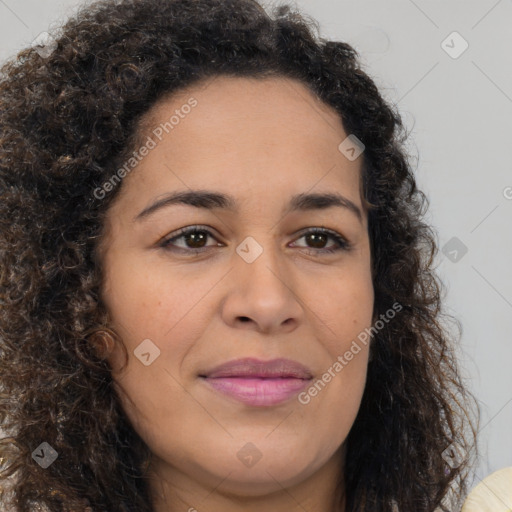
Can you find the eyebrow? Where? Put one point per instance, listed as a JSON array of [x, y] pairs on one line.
[[209, 200]]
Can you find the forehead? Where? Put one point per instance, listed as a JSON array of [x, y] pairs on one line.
[[260, 136], [231, 94], [235, 112]]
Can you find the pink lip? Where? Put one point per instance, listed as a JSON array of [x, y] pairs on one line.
[[259, 383]]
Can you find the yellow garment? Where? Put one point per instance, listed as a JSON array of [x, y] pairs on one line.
[[492, 494]]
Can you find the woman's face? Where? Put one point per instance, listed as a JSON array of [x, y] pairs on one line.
[[260, 285]]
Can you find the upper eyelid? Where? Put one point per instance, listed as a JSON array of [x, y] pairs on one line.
[[183, 231]]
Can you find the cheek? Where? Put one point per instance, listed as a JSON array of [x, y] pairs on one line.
[[344, 316], [142, 301], [343, 307]]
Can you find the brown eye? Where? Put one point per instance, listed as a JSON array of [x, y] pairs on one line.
[[318, 240], [194, 238], [318, 237]]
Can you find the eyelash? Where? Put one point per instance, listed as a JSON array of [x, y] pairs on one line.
[[343, 244]]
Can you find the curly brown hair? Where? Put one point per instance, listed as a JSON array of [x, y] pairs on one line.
[[67, 120]]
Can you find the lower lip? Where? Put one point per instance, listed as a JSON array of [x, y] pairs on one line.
[[258, 391]]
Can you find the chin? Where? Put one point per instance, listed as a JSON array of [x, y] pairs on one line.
[[252, 482]]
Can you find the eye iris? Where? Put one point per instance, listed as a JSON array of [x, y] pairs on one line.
[[317, 238], [196, 236]]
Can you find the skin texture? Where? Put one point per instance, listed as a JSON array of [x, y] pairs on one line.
[[261, 141]]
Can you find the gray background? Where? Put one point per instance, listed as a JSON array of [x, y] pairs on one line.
[[459, 113]]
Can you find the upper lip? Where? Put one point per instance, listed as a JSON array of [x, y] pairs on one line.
[[250, 367]]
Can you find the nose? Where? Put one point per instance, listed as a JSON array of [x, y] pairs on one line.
[[263, 295]]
